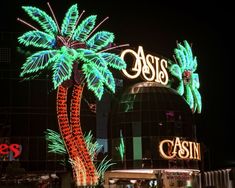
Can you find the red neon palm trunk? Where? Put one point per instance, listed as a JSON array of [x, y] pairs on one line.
[[78, 134], [65, 128]]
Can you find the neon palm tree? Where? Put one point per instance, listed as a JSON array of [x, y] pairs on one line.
[[121, 147], [184, 70], [72, 53], [56, 145]]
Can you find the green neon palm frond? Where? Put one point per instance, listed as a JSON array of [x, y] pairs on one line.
[[180, 88], [195, 81], [71, 53], [62, 69], [175, 70], [38, 61], [114, 61], [181, 59], [189, 96], [189, 81], [55, 143], [69, 21], [100, 40], [189, 51], [103, 166], [195, 107], [108, 79], [94, 79], [31, 76], [194, 64], [197, 100], [93, 146], [83, 30], [185, 54], [45, 21], [90, 56], [37, 39], [121, 147]]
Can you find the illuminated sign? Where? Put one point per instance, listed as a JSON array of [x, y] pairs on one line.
[[150, 68], [182, 149], [6, 149]]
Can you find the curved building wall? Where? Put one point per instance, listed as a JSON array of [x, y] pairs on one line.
[[146, 114]]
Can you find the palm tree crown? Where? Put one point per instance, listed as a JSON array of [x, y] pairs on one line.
[[184, 70], [73, 43]]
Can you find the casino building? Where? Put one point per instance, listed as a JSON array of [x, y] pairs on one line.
[[159, 136], [152, 137]]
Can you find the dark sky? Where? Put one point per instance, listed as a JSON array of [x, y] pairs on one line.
[[157, 27]]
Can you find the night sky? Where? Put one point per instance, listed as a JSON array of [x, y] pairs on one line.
[[157, 27]]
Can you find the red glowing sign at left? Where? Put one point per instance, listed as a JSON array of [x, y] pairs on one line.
[[6, 149]]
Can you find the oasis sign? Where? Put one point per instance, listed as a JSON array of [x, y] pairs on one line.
[[150, 68], [179, 149]]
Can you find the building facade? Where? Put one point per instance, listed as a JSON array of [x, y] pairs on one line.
[[147, 115]]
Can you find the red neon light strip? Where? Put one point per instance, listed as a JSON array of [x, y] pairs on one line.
[[65, 129], [92, 177]]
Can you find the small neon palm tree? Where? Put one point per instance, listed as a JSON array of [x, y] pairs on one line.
[[72, 53], [121, 147], [184, 70]]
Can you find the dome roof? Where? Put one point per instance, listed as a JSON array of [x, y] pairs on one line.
[[151, 102], [145, 114], [157, 95]]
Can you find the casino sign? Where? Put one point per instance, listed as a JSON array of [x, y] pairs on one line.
[[151, 68]]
